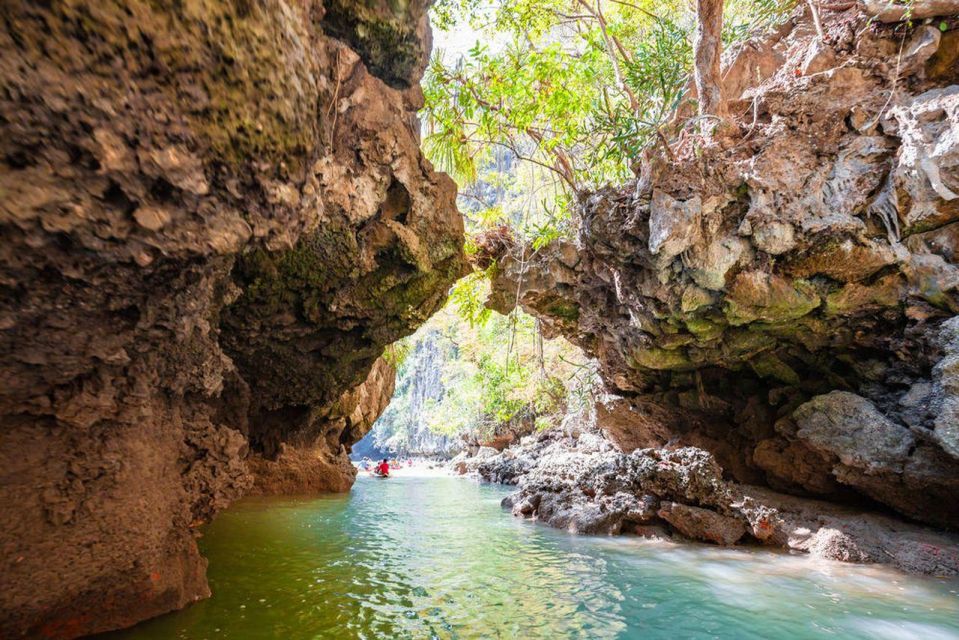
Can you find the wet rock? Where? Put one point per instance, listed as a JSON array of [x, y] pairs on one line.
[[464, 463], [702, 524], [593, 489]]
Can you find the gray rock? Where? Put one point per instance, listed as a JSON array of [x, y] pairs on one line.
[[946, 389], [702, 524], [774, 237], [650, 492], [673, 224], [850, 428]]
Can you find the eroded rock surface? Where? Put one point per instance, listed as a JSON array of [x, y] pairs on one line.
[[586, 485], [782, 297], [318, 463], [214, 216]]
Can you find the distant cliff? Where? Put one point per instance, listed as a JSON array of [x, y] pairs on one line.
[[403, 428]]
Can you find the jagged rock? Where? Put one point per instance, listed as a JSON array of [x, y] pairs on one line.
[[731, 283], [820, 58], [926, 174], [321, 463], [943, 393], [214, 217], [591, 488], [674, 226], [864, 449], [916, 10], [849, 427], [702, 524], [922, 45], [464, 463]]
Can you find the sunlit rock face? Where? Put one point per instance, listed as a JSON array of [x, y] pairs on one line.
[[403, 429], [214, 216], [783, 298], [582, 483]]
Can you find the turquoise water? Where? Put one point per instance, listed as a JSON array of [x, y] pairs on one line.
[[436, 557]]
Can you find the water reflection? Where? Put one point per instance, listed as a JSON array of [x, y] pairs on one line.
[[437, 558]]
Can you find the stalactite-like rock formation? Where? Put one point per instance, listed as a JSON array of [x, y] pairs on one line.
[[214, 215], [786, 299]]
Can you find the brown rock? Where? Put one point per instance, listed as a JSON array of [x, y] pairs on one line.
[[581, 485], [200, 258], [702, 524], [824, 243]]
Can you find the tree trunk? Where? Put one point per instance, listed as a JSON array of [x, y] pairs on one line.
[[707, 51]]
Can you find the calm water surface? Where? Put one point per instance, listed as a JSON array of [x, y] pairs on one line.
[[428, 557]]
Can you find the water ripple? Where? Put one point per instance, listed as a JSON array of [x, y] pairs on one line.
[[437, 558]]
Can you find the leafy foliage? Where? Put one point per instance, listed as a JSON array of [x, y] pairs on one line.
[[575, 88], [504, 376], [555, 98], [497, 376], [396, 353]]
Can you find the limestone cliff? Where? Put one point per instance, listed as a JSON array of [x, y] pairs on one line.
[[403, 429], [214, 215], [782, 296]]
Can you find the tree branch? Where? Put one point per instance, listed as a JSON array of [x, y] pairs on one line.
[[707, 52]]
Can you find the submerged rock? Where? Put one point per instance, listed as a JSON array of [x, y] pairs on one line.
[[214, 218]]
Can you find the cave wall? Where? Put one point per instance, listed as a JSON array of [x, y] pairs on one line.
[[214, 216], [784, 296], [319, 463]]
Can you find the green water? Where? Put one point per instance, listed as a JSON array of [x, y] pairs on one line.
[[422, 557]]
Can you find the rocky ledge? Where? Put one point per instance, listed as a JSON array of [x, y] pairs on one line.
[[784, 295], [214, 216], [582, 483]]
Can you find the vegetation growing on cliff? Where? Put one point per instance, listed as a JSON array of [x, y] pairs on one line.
[[481, 376], [555, 97], [575, 90]]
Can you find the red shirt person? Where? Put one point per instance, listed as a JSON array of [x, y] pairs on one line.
[[383, 468]]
